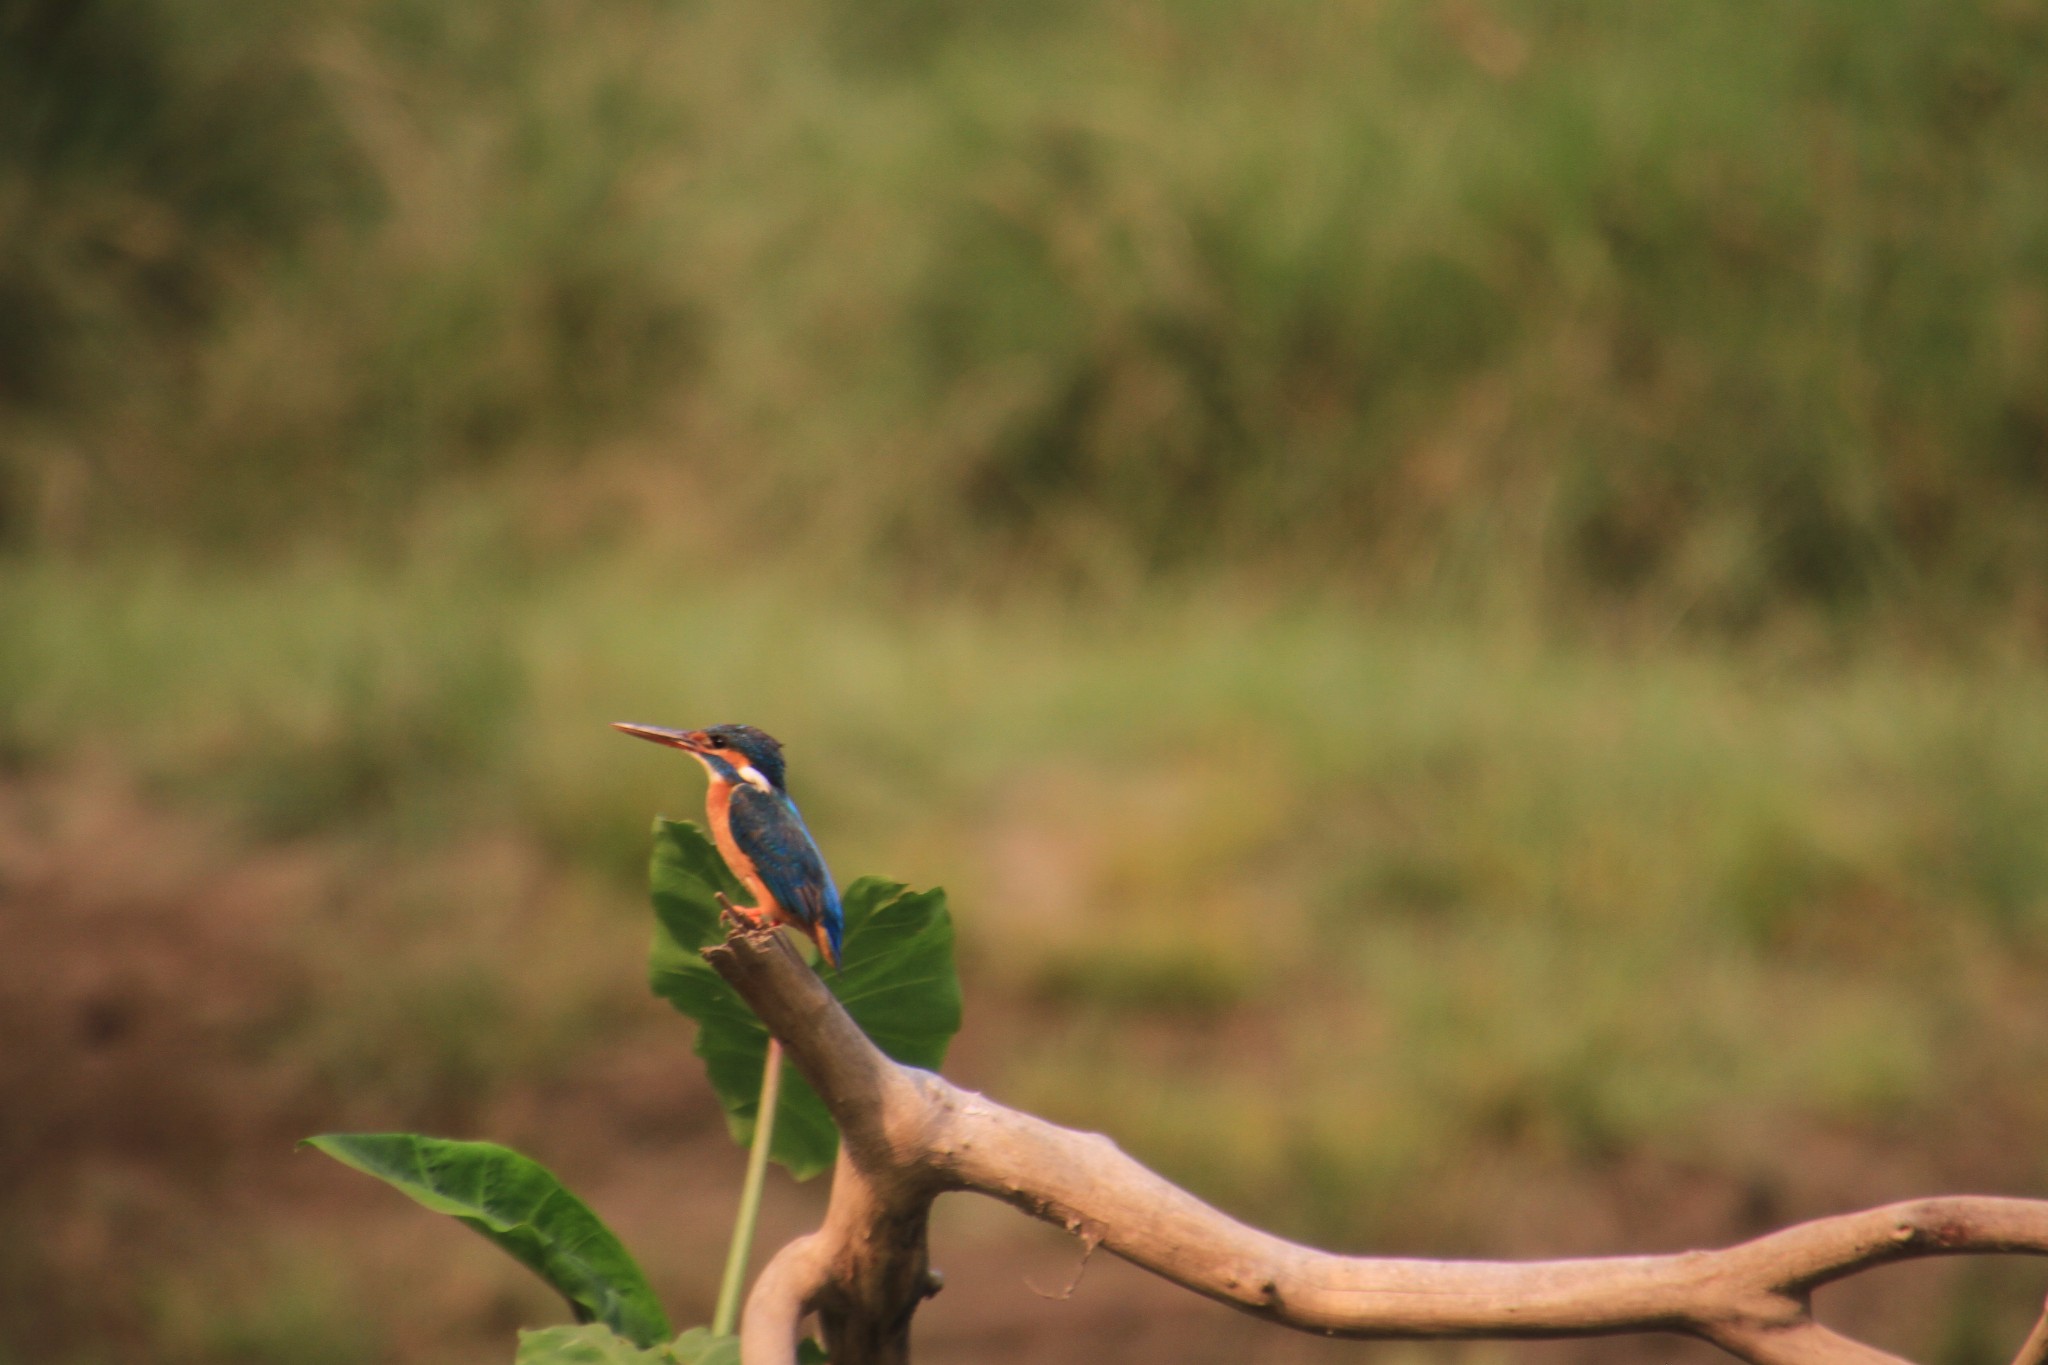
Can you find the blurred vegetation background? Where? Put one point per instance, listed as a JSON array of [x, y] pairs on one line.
[[1457, 588]]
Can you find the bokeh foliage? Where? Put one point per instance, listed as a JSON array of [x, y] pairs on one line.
[[1722, 309]]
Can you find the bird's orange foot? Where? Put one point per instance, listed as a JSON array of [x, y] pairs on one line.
[[741, 916]]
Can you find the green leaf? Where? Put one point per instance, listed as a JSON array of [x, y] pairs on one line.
[[699, 1347], [517, 1203], [897, 981], [592, 1344], [596, 1344]]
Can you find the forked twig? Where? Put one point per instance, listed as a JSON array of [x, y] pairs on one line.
[[909, 1136]]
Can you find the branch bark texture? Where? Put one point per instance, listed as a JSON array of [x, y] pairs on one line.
[[909, 1136]]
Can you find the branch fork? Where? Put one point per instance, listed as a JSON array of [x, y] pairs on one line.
[[908, 1136]]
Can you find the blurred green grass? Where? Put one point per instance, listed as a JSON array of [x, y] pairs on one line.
[[1718, 313]]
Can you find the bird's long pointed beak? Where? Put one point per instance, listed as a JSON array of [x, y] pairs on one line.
[[676, 739]]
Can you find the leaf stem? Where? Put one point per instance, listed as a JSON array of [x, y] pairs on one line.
[[728, 1312]]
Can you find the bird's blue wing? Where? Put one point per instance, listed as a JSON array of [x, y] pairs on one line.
[[768, 829]]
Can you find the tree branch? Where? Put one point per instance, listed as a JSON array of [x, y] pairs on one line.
[[909, 1136]]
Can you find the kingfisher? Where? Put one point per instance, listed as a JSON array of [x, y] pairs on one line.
[[759, 831]]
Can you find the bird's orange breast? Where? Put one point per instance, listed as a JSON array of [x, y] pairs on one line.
[[718, 812]]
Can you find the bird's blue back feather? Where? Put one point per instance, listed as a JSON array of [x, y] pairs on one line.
[[769, 829]]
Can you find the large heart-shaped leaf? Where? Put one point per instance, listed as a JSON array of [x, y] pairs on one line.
[[896, 980], [517, 1203]]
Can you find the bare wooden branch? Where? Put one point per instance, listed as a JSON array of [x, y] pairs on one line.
[[910, 1136]]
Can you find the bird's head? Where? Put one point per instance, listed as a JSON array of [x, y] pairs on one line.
[[736, 753]]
